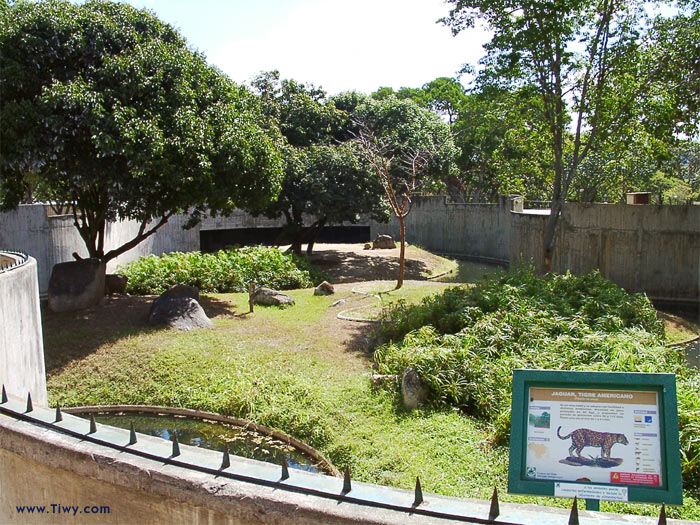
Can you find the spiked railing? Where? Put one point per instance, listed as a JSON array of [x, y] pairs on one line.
[[23, 259], [299, 483]]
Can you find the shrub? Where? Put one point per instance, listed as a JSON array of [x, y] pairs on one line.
[[224, 271], [466, 342]]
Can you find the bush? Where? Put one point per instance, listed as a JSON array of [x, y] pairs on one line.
[[466, 342], [224, 271]]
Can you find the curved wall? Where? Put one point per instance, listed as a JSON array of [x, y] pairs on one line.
[[21, 343]]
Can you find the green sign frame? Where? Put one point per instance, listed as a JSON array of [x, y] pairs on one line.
[[670, 490]]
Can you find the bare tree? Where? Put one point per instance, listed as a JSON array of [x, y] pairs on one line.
[[401, 173]]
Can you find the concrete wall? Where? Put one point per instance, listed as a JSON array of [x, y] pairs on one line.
[[654, 249], [41, 467], [473, 230], [52, 239], [21, 342]]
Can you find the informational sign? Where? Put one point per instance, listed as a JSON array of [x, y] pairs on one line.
[[604, 436]]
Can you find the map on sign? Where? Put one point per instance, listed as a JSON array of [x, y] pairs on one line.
[[594, 436]]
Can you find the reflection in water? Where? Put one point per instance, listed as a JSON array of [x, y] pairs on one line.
[[469, 272], [213, 435]]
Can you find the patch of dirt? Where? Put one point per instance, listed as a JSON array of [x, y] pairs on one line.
[[351, 263]]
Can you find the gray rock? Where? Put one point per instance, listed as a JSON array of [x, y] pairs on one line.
[[383, 242], [325, 288], [76, 284], [269, 297], [183, 290], [413, 390], [115, 283], [339, 302], [178, 311]]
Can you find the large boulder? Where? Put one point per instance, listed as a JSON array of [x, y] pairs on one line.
[[76, 284], [184, 290], [269, 297], [325, 288], [383, 242], [178, 311], [115, 283], [413, 390]]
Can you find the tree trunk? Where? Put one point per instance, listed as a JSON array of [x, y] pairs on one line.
[[402, 253], [314, 233]]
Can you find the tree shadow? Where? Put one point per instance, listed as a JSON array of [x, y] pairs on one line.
[[347, 267], [70, 336]]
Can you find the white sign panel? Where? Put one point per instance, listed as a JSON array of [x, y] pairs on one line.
[[594, 436], [599, 492]]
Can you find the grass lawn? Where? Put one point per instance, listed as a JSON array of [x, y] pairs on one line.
[[300, 370]]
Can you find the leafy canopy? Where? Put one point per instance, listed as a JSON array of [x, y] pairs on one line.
[[106, 108], [325, 176]]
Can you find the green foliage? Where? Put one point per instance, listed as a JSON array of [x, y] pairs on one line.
[[323, 177], [223, 271], [466, 342], [111, 110]]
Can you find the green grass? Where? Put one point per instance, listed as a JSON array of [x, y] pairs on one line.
[[297, 369], [410, 293]]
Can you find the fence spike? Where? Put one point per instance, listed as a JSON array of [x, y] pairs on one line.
[[93, 425], [226, 462], [29, 402], [285, 468], [346, 481], [176, 445], [573, 517], [495, 510], [132, 434], [662, 515], [3, 398], [59, 416], [419, 493]]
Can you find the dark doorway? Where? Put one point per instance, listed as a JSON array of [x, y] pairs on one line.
[[213, 240]]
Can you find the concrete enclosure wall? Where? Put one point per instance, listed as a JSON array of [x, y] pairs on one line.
[[52, 239], [21, 342], [652, 249], [473, 230], [655, 249]]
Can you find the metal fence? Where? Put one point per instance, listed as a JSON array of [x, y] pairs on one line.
[[14, 262]]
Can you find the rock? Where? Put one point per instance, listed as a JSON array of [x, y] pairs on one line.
[[268, 297], [115, 283], [383, 242], [368, 246], [183, 290], [339, 302], [413, 390], [76, 284], [325, 288], [178, 311]]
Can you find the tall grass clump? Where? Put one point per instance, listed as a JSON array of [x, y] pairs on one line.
[[466, 342], [224, 271]]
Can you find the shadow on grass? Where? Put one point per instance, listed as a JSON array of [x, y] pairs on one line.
[[70, 336]]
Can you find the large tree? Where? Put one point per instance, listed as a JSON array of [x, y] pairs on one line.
[[108, 110], [326, 177], [410, 149], [593, 63]]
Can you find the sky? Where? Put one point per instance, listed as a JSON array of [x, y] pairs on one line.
[[339, 45]]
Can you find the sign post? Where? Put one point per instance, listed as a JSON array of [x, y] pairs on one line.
[[595, 435]]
